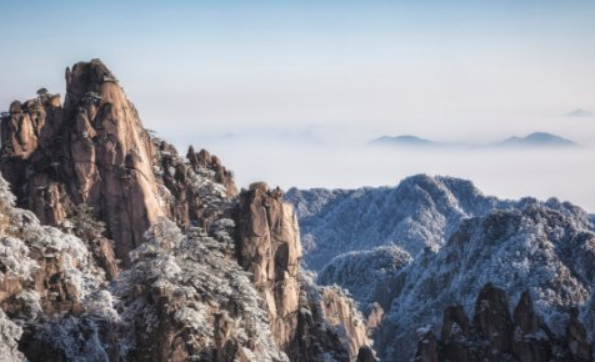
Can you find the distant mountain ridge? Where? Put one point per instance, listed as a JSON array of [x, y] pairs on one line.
[[532, 140], [407, 141], [580, 113], [537, 139], [431, 242], [422, 211]]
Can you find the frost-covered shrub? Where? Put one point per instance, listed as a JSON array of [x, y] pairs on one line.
[[420, 212], [360, 272], [10, 333], [191, 272], [15, 260], [24, 244], [537, 249]]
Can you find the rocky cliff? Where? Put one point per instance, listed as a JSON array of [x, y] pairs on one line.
[[131, 252], [93, 150], [268, 247]]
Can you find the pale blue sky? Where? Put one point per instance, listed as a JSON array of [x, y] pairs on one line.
[[337, 71], [473, 65]]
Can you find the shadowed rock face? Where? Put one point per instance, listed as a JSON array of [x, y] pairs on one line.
[[366, 355], [494, 336]]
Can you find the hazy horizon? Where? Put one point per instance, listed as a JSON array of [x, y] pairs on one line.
[[290, 92]]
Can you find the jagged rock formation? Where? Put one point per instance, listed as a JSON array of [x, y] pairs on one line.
[[537, 248], [539, 243], [268, 247], [494, 335], [194, 287], [190, 187], [341, 313], [94, 150]]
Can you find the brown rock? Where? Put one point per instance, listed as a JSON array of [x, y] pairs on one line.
[[205, 160], [375, 318], [340, 313], [93, 151], [524, 315], [269, 248]]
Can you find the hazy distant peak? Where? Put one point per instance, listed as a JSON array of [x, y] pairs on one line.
[[535, 139], [408, 141], [579, 113], [538, 139]]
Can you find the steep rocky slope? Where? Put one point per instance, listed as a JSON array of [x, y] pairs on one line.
[[537, 248], [147, 255]]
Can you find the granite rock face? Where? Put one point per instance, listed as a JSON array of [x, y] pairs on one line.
[[93, 150], [268, 246]]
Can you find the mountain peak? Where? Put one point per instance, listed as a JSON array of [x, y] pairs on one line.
[[538, 139], [580, 113], [404, 141]]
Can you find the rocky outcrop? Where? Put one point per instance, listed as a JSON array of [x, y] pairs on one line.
[[341, 313], [194, 287], [95, 151], [494, 336], [194, 192], [268, 246], [329, 326], [577, 339], [204, 160]]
